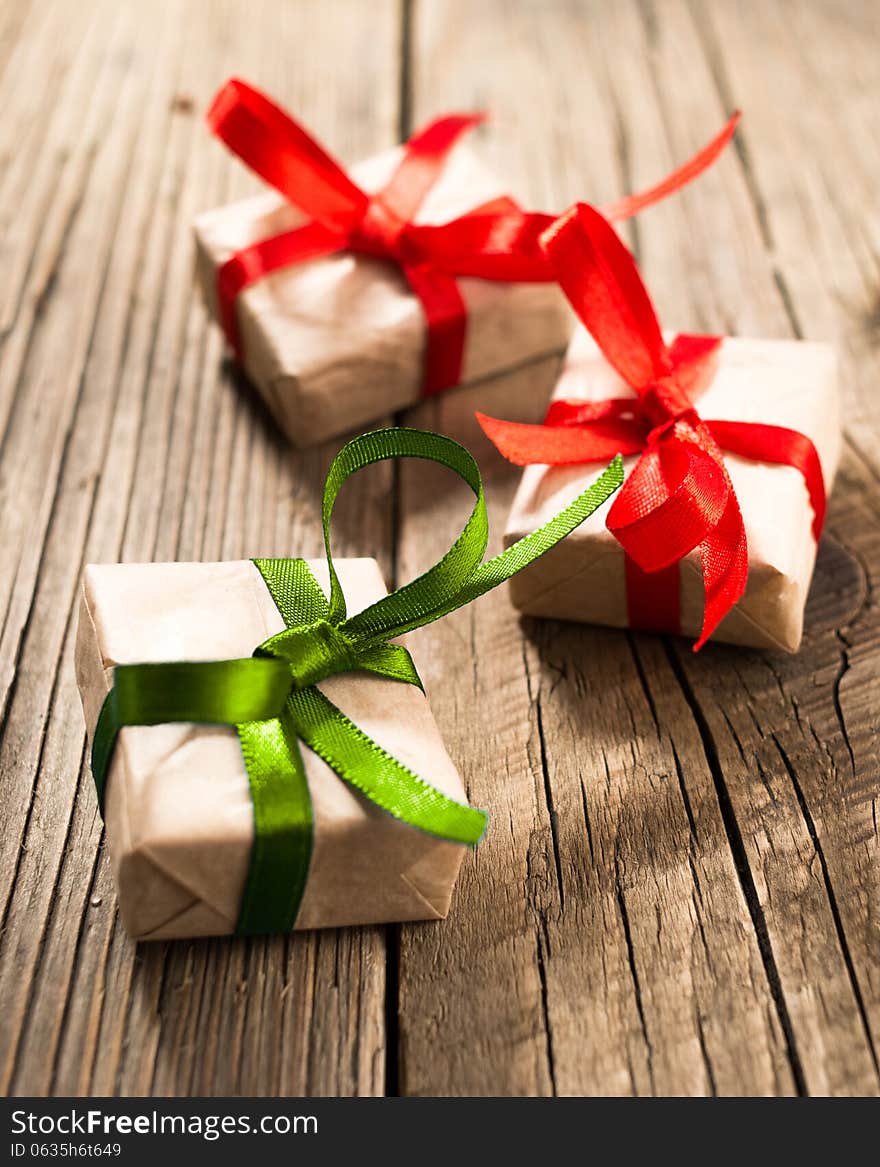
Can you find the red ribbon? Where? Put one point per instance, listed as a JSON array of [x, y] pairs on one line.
[[679, 495], [496, 241]]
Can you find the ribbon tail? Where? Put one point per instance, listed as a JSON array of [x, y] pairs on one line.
[[377, 775], [626, 207], [424, 157], [782, 446], [284, 155], [725, 560], [602, 282], [459, 576], [560, 445], [530, 547], [391, 661], [679, 497]]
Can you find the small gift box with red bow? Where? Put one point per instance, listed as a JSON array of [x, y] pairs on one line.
[[348, 298], [730, 448]]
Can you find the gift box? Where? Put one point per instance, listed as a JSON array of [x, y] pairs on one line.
[[178, 812], [713, 429], [337, 342], [779, 382], [349, 298], [262, 749]]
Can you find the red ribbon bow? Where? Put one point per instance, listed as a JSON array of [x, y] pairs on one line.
[[679, 495], [496, 241]]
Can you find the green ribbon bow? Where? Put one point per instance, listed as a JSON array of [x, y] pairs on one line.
[[272, 699]]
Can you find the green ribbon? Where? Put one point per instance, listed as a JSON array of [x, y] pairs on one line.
[[272, 698]]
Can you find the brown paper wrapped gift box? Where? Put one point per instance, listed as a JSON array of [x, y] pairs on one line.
[[178, 812], [778, 382], [337, 343]]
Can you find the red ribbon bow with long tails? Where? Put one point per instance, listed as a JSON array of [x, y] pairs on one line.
[[679, 495], [495, 241]]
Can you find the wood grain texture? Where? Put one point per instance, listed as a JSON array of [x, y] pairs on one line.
[[680, 889], [689, 888], [129, 439]]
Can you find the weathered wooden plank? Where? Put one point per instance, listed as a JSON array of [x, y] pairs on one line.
[[804, 1005], [812, 176], [601, 940], [30, 455], [165, 455], [736, 697], [41, 122], [253, 1032], [824, 1026], [38, 814]]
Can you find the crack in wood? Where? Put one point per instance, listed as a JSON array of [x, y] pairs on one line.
[[540, 941], [747, 883], [685, 797], [587, 824], [551, 809], [839, 676], [704, 1052], [643, 680], [832, 900], [620, 897]]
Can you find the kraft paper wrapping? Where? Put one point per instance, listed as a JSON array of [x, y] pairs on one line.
[[778, 382], [337, 343], [178, 813]]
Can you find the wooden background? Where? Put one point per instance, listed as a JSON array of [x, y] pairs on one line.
[[679, 891]]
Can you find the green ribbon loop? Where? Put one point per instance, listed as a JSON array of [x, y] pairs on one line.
[[272, 700]]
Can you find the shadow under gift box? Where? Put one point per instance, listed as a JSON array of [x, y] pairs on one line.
[[787, 383], [178, 811], [334, 344]]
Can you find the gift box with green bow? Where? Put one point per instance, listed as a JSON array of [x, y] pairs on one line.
[[262, 750]]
